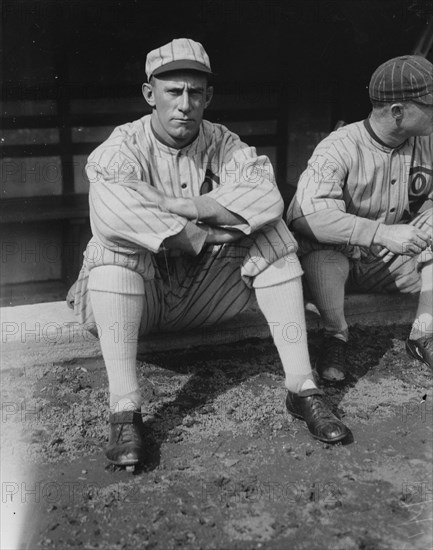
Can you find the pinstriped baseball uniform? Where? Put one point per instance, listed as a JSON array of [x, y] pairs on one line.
[[128, 230], [353, 183]]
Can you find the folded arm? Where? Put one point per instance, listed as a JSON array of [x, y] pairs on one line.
[[129, 214], [318, 209]]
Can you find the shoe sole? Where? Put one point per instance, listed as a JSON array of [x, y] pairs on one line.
[[335, 440], [413, 352], [124, 464]]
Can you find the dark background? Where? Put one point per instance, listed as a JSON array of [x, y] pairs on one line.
[[285, 74], [322, 49]]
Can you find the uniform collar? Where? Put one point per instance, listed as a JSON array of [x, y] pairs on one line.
[[192, 148], [377, 142]]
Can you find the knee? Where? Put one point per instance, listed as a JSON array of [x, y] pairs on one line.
[[113, 278], [283, 270]]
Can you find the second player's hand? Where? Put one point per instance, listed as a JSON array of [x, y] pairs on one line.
[[402, 239], [218, 235]]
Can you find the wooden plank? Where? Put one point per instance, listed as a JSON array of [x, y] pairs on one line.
[[104, 119], [32, 293], [12, 91], [32, 209], [57, 336], [85, 148]]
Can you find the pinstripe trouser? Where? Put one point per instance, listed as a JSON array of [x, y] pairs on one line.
[[377, 269], [183, 292]]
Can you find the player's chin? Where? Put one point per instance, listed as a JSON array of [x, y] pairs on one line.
[[185, 132]]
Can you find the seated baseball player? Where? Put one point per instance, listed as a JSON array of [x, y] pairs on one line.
[[361, 213], [186, 224]]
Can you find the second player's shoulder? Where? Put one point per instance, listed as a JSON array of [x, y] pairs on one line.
[[341, 145], [352, 133]]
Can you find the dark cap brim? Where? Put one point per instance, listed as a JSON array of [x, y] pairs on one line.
[[182, 64], [425, 99]]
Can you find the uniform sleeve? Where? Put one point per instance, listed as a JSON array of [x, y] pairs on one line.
[[121, 218], [247, 185], [318, 209]]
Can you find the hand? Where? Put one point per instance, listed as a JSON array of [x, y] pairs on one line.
[[218, 235], [402, 239]]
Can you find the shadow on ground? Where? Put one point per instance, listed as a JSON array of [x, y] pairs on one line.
[[227, 467]]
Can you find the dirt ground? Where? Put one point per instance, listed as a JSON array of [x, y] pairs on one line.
[[227, 468]]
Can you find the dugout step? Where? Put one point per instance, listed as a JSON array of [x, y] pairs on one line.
[[47, 333]]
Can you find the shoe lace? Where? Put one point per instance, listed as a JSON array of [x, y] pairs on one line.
[[427, 344], [335, 351], [128, 434], [320, 410]]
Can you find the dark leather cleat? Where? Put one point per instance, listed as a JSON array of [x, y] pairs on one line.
[[126, 446], [421, 349], [311, 406], [331, 365]]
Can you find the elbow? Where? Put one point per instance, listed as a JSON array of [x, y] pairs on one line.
[[306, 228], [280, 207], [277, 209]]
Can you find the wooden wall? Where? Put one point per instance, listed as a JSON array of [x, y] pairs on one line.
[[286, 72]]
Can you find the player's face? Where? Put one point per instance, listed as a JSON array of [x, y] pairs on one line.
[[419, 119], [178, 100]]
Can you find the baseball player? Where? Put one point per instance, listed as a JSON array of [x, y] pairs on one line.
[[361, 213], [186, 223]]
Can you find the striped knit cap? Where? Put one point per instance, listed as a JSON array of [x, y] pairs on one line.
[[179, 54], [405, 78]]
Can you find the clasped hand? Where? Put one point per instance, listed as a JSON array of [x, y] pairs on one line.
[[402, 239], [186, 207]]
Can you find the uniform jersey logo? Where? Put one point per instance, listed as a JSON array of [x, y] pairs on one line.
[[209, 180], [420, 183]]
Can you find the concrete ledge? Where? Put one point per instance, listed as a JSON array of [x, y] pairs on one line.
[[48, 333]]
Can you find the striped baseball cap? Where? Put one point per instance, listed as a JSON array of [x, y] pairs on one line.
[[404, 78], [180, 53]]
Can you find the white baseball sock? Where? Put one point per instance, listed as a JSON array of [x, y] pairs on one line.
[[423, 324], [117, 298], [326, 272], [280, 299]]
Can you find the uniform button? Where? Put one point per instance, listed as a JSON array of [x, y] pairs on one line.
[[393, 181], [392, 210], [184, 186]]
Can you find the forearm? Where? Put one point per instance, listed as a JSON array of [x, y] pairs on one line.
[[337, 227], [121, 218], [204, 209]]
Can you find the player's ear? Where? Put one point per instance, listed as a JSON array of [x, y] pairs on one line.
[[148, 94], [209, 96], [397, 110]]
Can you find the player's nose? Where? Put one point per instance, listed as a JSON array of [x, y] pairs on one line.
[[185, 102]]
